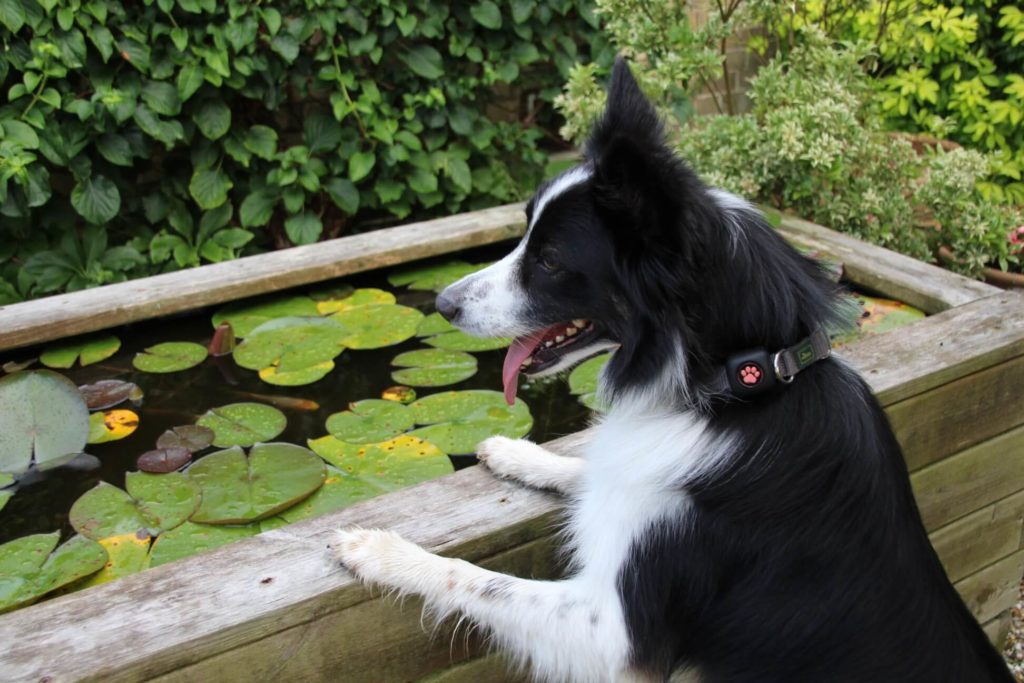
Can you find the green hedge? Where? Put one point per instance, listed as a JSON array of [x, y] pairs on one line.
[[149, 136]]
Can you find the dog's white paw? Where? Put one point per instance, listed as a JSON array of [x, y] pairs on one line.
[[376, 555], [509, 458]]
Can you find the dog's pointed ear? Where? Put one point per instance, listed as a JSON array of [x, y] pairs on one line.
[[628, 114]]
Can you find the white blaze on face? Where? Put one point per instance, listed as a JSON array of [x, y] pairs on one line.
[[491, 301]]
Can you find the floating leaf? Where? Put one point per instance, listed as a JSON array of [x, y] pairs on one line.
[[42, 416], [359, 297], [164, 460], [112, 425], [190, 539], [878, 317], [433, 367], [4, 497], [87, 350], [335, 292], [435, 277], [107, 393], [6, 479], [30, 567], [399, 393], [152, 504], [190, 437], [17, 366], [243, 424], [370, 421], [433, 324], [274, 375], [385, 466], [378, 325], [293, 344], [245, 317], [126, 554], [583, 380], [339, 491], [170, 357], [238, 488], [458, 420], [460, 341]]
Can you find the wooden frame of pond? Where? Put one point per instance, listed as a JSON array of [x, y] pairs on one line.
[[274, 607]]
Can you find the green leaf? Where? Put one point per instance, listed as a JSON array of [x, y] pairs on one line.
[[189, 79], [370, 421], [127, 554], [86, 350], [170, 357], [213, 118], [152, 504], [583, 380], [458, 171], [344, 194], [291, 343], [878, 317], [96, 199], [304, 228], [30, 567], [486, 14], [433, 367], [433, 277], [209, 187], [115, 149], [162, 98], [135, 53], [424, 61], [238, 489], [286, 46], [339, 491], [243, 424], [456, 421], [257, 209], [12, 15], [244, 317], [20, 133], [190, 539], [422, 181], [385, 466], [460, 341], [359, 165], [322, 133], [378, 325], [261, 141], [43, 418]]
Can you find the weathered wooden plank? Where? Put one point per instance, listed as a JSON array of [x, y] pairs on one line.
[[928, 287], [957, 415], [941, 348], [64, 315], [994, 588], [997, 629], [982, 537], [492, 668], [167, 619], [970, 480]]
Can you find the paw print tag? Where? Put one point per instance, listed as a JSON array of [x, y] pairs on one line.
[[750, 374]]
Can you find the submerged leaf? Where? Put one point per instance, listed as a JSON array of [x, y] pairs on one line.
[[162, 460], [170, 357], [433, 367], [30, 567], [190, 437], [87, 350], [245, 317], [243, 424], [107, 393], [42, 418]]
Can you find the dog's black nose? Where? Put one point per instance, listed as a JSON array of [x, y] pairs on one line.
[[447, 307]]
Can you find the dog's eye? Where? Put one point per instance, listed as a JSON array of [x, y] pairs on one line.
[[548, 260]]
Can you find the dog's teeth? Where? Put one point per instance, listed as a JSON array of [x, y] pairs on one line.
[[559, 339], [570, 331], [548, 343], [527, 363], [579, 323]]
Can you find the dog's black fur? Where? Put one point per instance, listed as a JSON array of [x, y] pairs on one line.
[[804, 557]]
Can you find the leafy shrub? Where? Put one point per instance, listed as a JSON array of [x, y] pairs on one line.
[[188, 131]]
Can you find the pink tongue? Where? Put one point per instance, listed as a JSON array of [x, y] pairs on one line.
[[520, 350]]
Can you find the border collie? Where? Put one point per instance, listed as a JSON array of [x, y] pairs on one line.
[[743, 512]]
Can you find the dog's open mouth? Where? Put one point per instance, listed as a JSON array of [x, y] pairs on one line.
[[541, 350]]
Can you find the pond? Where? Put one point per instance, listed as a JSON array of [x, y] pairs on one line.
[[40, 502]]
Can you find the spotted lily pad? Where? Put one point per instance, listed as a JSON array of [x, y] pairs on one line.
[[378, 325], [191, 539], [190, 437], [170, 357], [152, 503], [583, 380], [237, 488], [126, 554], [433, 367], [339, 491], [245, 317], [384, 466], [108, 393], [112, 425], [30, 567], [456, 421], [359, 297], [300, 350], [460, 341], [370, 421], [243, 424], [43, 419], [433, 324], [86, 351], [434, 277], [878, 317]]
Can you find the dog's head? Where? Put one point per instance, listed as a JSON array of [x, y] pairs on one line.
[[626, 250]]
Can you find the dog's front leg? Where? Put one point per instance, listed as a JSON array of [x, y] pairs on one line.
[[564, 630], [530, 464]]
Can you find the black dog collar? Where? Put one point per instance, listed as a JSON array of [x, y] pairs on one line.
[[753, 372]]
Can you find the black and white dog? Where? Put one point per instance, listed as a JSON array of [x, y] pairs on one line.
[[743, 511]]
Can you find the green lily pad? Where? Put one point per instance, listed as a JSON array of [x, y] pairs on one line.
[[583, 380], [359, 297], [6, 479], [245, 317], [435, 277], [293, 344], [191, 539], [335, 292], [370, 421], [152, 504], [243, 424], [339, 491], [456, 421], [385, 466], [460, 341], [170, 357], [127, 554], [378, 325], [433, 324], [878, 317], [43, 418], [4, 497], [238, 488], [30, 567], [293, 378], [433, 367], [86, 350]]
